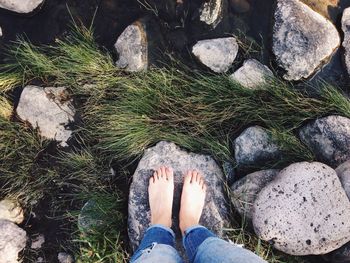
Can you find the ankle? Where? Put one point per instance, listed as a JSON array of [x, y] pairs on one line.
[[161, 221]]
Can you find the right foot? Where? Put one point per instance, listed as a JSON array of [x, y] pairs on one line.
[[161, 193], [192, 200]]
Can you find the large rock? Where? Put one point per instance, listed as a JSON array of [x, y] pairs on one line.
[[304, 210], [211, 12], [10, 210], [12, 241], [328, 138], [302, 39], [245, 191], [132, 48], [254, 147], [49, 110], [217, 54], [346, 43], [20, 6], [343, 172], [164, 153], [252, 74]]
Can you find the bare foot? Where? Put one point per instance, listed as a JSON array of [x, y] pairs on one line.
[[192, 200], [161, 193]]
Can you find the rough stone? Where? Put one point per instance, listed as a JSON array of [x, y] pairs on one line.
[[302, 39], [49, 109], [252, 74], [12, 241], [21, 6], [65, 258], [343, 172], [303, 211], [254, 146], [164, 153], [0, 32], [328, 138], [10, 210], [217, 54], [245, 191], [346, 43], [132, 48], [212, 12]]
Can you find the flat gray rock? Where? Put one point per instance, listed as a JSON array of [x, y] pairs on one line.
[[217, 54], [303, 40], [254, 146], [12, 241], [303, 211], [346, 43], [49, 110], [165, 153], [252, 74], [328, 138], [132, 48], [211, 12], [10, 210], [245, 190], [343, 172], [20, 6]]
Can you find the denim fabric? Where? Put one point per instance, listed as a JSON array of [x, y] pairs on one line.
[[216, 250], [194, 237], [157, 245], [201, 246]]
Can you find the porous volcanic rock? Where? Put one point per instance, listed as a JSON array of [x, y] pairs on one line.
[[217, 54], [303, 211], [48, 109], [12, 241], [165, 153], [245, 191], [328, 138], [21, 6], [252, 74], [302, 39]]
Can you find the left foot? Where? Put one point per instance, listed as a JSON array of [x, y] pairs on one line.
[[161, 193]]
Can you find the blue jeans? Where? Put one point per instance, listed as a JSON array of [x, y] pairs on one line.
[[201, 246]]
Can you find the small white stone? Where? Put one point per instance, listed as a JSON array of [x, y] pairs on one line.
[[38, 241], [211, 12], [252, 74], [11, 210], [20, 6], [49, 110], [217, 54], [65, 258]]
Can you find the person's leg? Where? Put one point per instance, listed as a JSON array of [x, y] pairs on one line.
[[158, 242], [201, 245]]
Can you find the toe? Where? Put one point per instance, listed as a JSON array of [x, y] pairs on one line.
[[163, 173], [193, 176], [188, 178], [159, 173], [152, 178], [169, 173], [197, 176]]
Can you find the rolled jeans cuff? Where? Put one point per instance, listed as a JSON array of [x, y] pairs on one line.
[[193, 238]]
